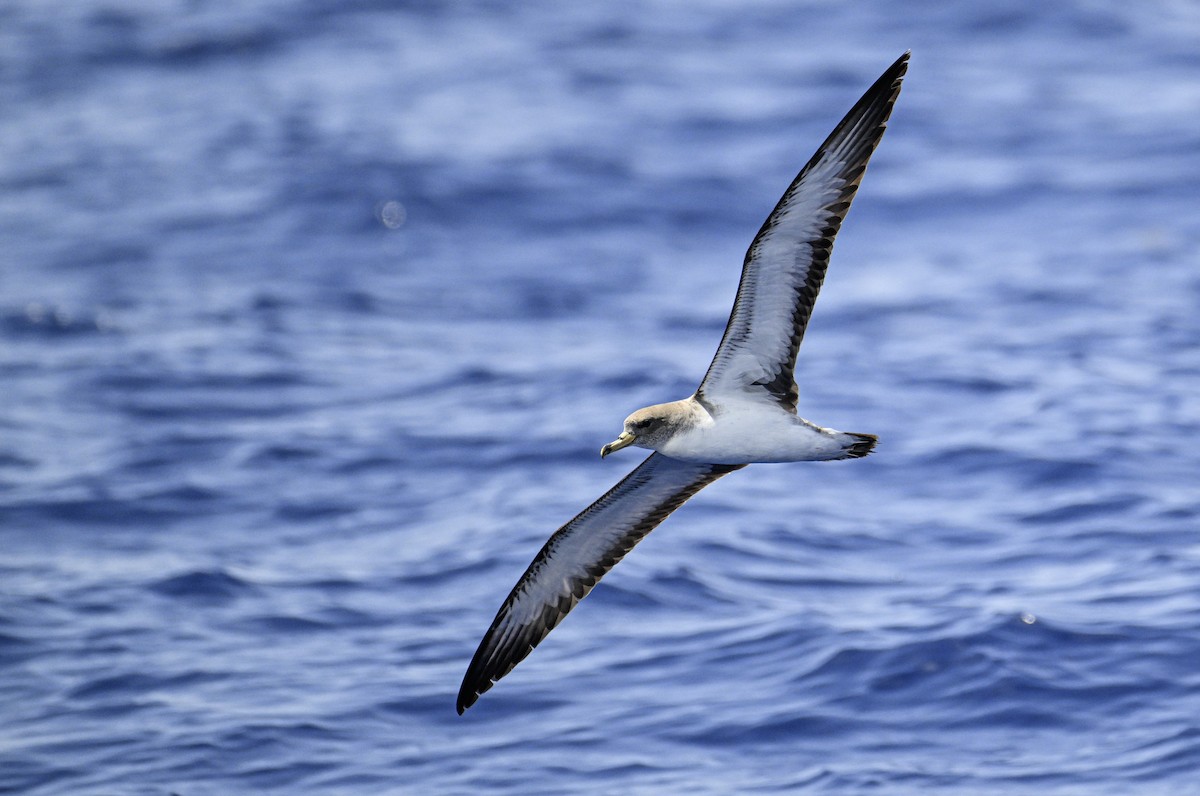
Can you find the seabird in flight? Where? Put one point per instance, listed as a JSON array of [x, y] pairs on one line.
[[744, 410]]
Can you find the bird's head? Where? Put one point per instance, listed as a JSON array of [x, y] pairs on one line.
[[645, 428]]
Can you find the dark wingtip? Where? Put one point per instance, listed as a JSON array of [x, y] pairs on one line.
[[465, 700], [468, 694], [895, 73], [893, 76]]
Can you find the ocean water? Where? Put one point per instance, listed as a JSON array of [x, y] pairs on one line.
[[314, 316]]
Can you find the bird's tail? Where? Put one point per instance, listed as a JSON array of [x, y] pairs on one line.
[[858, 445]]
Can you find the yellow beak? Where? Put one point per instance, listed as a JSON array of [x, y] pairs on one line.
[[624, 441]]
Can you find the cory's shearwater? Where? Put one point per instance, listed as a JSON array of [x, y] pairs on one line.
[[744, 410]]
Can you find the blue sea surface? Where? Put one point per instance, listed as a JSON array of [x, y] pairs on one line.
[[314, 316]]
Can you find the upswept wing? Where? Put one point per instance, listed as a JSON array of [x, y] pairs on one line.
[[576, 557], [786, 263]]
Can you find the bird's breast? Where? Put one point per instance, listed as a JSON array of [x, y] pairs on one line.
[[745, 437]]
